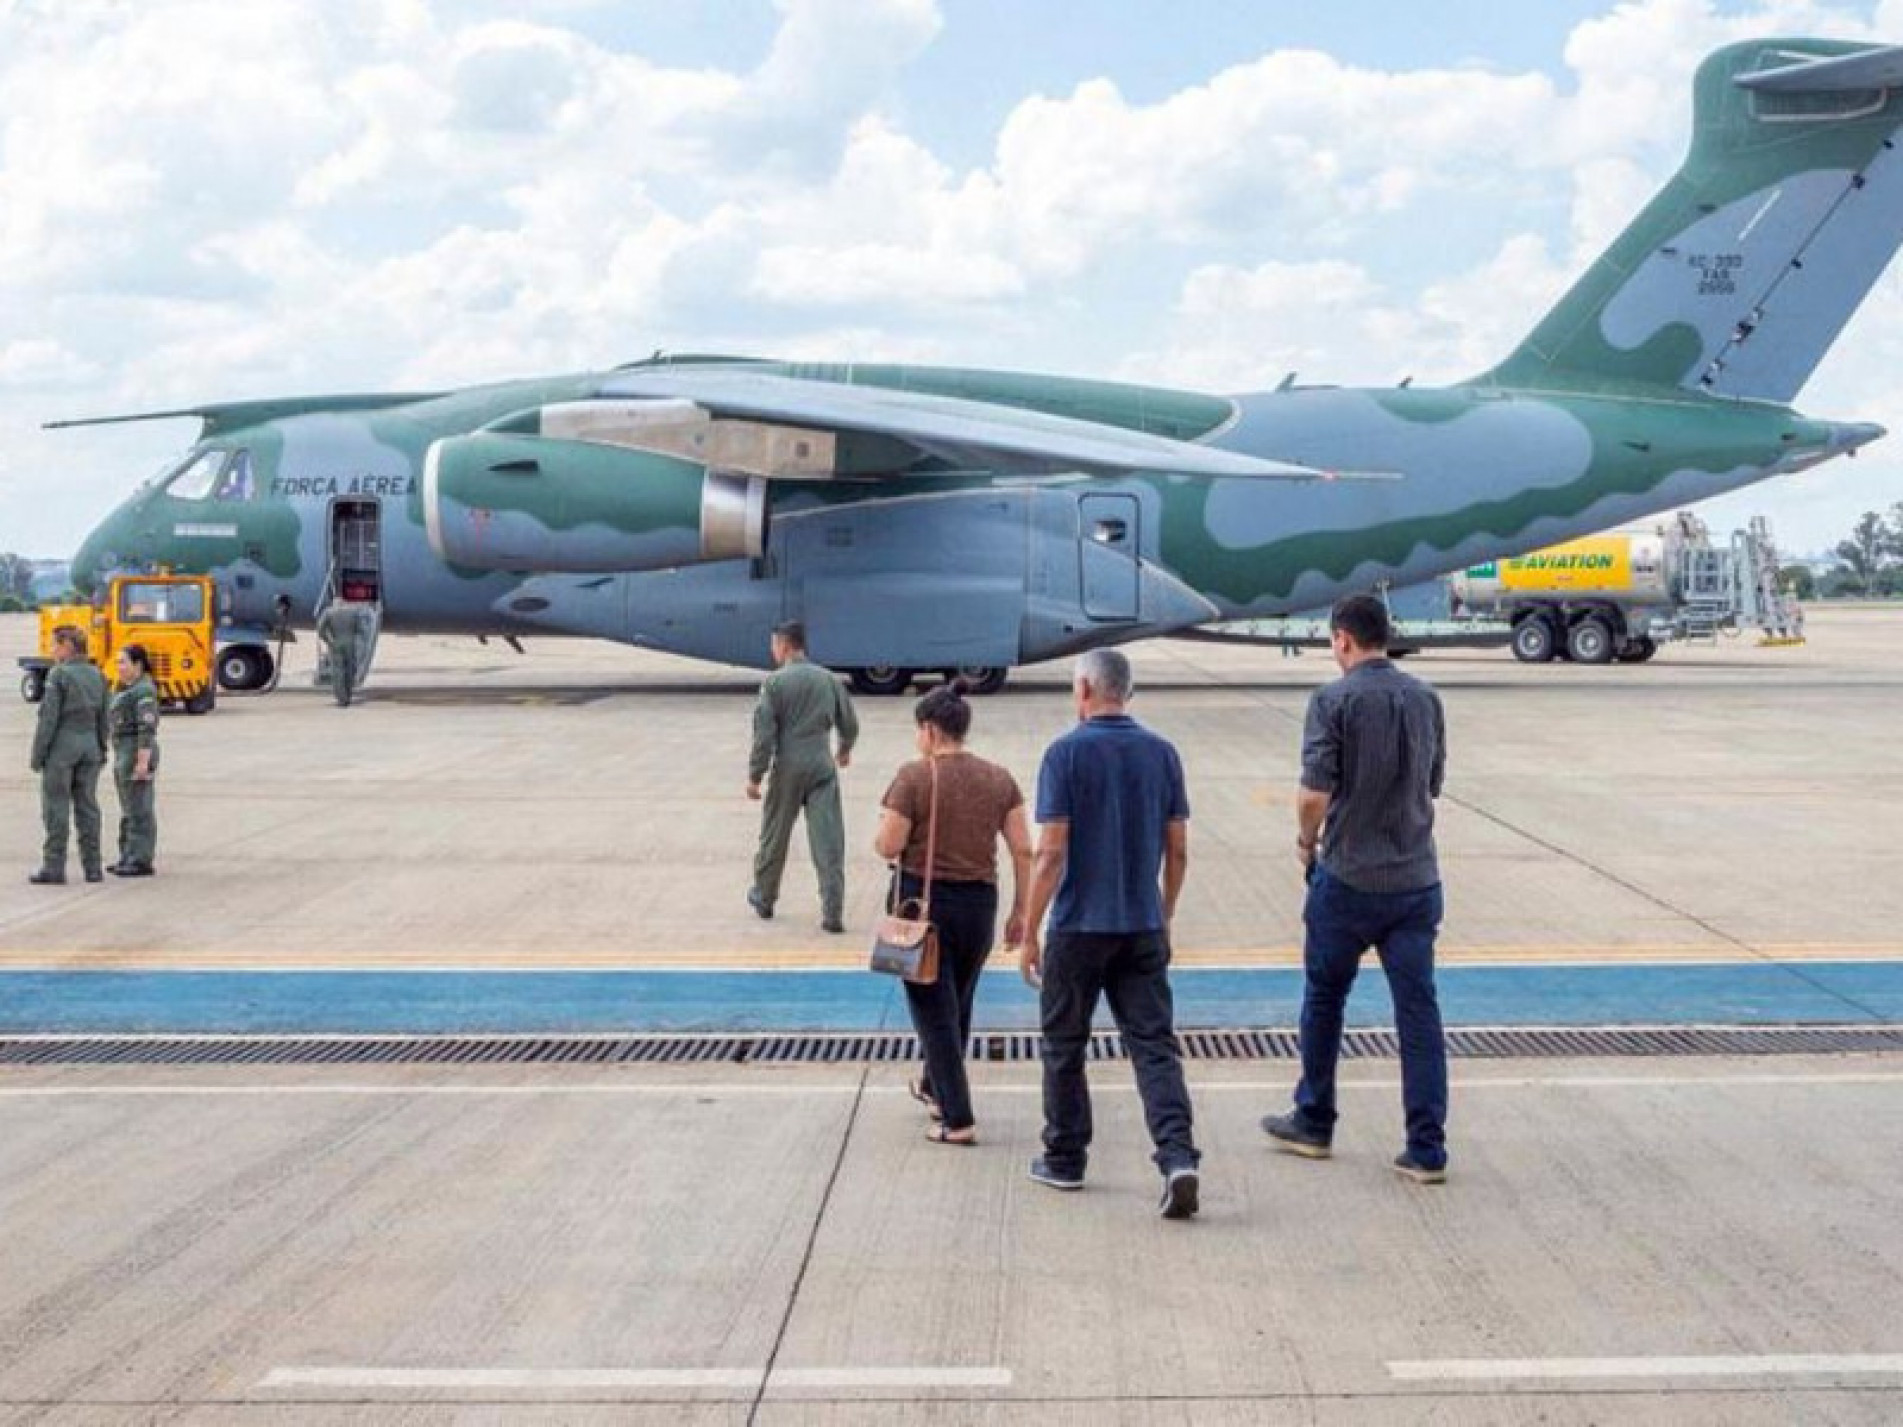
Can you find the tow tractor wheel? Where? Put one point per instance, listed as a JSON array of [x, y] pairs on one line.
[[1590, 641], [33, 686], [1534, 641], [983, 680], [880, 680], [244, 667]]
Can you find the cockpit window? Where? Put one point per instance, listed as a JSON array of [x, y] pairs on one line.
[[215, 475], [195, 478], [236, 482]]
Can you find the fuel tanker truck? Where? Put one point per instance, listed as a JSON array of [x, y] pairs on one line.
[[1621, 594], [1618, 595]]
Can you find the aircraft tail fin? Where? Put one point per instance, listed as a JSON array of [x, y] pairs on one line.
[[1737, 278]]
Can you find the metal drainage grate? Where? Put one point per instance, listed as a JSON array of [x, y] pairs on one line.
[[886, 1046]]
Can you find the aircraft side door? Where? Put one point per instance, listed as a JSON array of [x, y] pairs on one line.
[[1109, 544], [356, 550]]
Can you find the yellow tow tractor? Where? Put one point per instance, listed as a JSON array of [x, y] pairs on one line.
[[171, 615]]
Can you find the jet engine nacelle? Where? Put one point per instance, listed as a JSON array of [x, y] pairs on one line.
[[496, 501]]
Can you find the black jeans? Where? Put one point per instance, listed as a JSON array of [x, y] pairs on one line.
[[966, 915], [1133, 971]]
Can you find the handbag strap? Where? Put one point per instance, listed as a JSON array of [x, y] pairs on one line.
[[931, 850]]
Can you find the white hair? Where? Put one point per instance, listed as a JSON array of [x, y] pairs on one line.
[[1108, 672]]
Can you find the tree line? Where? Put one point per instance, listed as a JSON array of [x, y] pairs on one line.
[[1869, 562]]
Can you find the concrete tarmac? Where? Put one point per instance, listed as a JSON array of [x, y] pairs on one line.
[[581, 806], [1683, 1241], [1707, 1242]]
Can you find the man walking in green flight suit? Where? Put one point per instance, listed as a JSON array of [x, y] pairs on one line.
[[69, 749], [800, 706]]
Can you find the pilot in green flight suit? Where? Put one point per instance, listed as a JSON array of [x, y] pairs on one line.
[[134, 719], [800, 705], [69, 747], [344, 629]]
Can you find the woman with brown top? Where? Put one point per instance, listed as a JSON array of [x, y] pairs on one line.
[[978, 802]]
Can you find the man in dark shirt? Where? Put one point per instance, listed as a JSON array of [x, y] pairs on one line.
[[1374, 751], [1113, 813]]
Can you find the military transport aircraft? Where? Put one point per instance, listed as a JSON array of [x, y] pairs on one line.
[[924, 519]]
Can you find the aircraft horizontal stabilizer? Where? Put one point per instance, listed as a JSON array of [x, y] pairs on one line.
[[1873, 69], [965, 433]]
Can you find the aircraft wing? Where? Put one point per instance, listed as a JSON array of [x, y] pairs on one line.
[[225, 415], [965, 433]]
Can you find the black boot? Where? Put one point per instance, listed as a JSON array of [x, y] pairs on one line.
[[48, 877]]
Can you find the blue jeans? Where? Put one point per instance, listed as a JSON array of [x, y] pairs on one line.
[[1132, 970], [1343, 924]]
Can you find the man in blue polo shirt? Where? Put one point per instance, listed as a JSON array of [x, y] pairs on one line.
[[1113, 819]]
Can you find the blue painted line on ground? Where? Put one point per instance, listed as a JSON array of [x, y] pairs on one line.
[[467, 1002]]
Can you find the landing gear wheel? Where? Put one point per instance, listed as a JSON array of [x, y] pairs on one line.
[[1590, 642], [880, 680], [1637, 651], [243, 667], [1534, 641], [983, 680], [33, 686]]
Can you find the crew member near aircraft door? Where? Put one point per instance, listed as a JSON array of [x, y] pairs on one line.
[[344, 630], [69, 749], [133, 717], [1374, 752], [800, 707]]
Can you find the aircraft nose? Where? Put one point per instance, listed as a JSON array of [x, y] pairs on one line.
[[95, 556]]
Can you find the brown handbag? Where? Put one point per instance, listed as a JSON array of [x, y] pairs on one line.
[[905, 945]]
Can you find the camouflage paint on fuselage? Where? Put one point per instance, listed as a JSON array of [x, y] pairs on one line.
[[1663, 377]]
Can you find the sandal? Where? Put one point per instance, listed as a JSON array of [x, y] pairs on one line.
[[939, 1135], [916, 1088]]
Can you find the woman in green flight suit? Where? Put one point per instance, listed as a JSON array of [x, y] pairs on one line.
[[134, 720]]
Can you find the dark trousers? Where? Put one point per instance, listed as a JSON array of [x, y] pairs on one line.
[[1132, 970], [966, 915], [1343, 924]]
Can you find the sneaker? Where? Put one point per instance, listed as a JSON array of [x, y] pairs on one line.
[[1289, 1135], [762, 908], [1042, 1172], [1409, 1167], [1180, 1194]]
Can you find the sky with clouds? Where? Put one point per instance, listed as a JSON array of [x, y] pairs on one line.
[[220, 199]]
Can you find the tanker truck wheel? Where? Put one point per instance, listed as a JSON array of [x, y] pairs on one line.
[[1590, 641], [1534, 640], [1637, 651]]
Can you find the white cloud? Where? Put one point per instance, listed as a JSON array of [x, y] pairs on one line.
[[205, 200]]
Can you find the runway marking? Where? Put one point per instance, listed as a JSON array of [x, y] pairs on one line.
[[1552, 1369], [556, 1380], [1026, 1088]]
